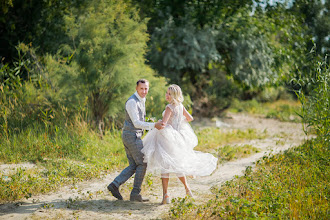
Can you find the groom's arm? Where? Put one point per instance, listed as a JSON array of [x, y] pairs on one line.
[[131, 108]]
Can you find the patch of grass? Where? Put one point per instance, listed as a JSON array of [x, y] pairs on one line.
[[284, 110], [229, 152], [211, 138], [291, 185], [63, 157], [38, 144], [70, 154]]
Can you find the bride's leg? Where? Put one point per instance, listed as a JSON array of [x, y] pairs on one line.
[[165, 180], [183, 179]]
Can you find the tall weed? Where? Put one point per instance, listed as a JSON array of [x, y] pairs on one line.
[[212, 138], [64, 157], [283, 110], [315, 112]]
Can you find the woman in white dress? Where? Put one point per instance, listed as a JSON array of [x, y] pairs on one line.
[[171, 150]]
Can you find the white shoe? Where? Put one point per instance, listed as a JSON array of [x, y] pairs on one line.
[[166, 199], [189, 193]]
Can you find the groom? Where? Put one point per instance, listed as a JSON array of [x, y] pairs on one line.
[[132, 132]]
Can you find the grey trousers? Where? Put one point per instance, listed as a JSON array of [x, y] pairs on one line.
[[133, 146]]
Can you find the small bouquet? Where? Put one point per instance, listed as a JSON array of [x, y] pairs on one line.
[[151, 119]]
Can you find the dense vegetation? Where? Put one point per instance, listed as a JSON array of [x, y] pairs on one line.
[[67, 68], [290, 185], [83, 55]]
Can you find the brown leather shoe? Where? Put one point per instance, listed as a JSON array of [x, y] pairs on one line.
[[114, 191], [138, 198]]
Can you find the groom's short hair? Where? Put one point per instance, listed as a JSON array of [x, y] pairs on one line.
[[142, 81]]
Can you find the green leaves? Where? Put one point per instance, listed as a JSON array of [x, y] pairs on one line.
[[316, 106], [176, 49], [251, 61], [293, 184], [108, 41]]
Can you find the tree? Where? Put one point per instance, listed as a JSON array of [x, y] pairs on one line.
[[256, 46], [244, 43], [315, 14], [202, 13], [108, 41], [39, 23], [178, 51], [183, 46], [315, 19]]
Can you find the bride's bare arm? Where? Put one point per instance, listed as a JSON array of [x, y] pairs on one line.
[[167, 115], [187, 115]]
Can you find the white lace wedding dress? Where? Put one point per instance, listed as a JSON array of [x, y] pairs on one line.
[[171, 150]]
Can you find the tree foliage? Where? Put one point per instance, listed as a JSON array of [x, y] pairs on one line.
[[91, 54], [247, 48], [215, 50], [239, 40], [35, 22], [257, 45], [316, 106], [108, 41], [176, 50], [315, 14]]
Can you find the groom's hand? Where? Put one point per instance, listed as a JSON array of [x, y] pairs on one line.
[[159, 125]]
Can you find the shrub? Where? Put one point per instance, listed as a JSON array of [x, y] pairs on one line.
[[316, 106]]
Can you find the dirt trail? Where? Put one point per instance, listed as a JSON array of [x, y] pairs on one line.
[[91, 200]]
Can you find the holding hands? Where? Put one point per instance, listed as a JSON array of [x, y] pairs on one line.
[[160, 125]]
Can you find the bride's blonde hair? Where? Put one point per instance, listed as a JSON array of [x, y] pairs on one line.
[[176, 94]]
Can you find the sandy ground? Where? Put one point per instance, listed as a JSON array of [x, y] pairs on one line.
[[91, 200]]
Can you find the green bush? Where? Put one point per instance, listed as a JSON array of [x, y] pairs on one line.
[[272, 94], [283, 110], [316, 106], [292, 185]]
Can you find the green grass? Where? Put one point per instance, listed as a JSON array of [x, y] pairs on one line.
[[228, 152], [63, 156], [292, 185], [35, 144], [212, 138], [75, 153], [284, 110]]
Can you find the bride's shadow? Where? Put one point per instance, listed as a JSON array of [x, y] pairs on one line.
[[112, 206]]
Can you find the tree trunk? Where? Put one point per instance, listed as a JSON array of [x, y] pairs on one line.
[[100, 126], [98, 108]]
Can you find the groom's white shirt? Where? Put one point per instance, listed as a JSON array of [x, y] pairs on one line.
[[131, 108]]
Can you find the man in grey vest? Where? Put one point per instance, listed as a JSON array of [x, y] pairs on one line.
[[132, 132]]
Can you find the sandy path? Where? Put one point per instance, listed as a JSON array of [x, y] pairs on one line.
[[91, 200]]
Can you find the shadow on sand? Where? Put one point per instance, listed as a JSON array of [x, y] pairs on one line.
[[102, 205]]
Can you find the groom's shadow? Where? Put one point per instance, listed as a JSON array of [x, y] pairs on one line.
[[101, 205]]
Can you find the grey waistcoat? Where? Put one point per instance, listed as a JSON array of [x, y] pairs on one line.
[[128, 124]]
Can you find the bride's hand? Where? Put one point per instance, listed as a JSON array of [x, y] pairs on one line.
[[163, 123], [159, 125]]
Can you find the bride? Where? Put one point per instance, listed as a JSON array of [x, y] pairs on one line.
[[170, 150]]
